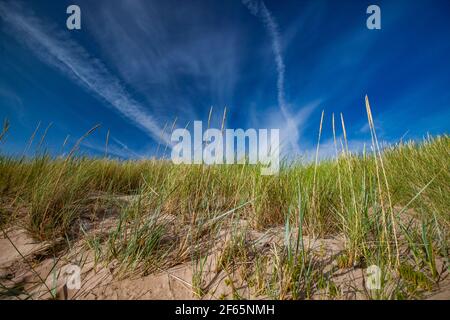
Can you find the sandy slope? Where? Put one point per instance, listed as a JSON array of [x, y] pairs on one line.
[[28, 270]]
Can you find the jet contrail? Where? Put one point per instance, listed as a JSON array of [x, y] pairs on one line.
[[259, 9]]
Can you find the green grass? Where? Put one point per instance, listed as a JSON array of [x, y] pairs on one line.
[[391, 206]]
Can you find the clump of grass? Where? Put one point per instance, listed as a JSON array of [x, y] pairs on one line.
[[415, 279], [143, 239]]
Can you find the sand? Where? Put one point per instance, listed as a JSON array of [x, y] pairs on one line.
[[32, 269]]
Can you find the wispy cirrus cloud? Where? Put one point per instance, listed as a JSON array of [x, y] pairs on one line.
[[58, 50], [180, 61], [273, 65]]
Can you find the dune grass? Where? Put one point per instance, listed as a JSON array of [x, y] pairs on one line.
[[390, 205]]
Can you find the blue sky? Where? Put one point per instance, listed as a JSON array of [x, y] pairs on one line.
[[137, 65]]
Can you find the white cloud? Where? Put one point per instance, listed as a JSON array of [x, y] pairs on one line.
[[291, 121], [175, 59], [58, 50]]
